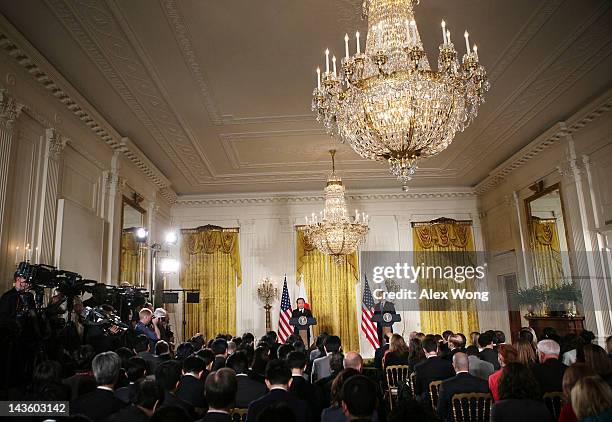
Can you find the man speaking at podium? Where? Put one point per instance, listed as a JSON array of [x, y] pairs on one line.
[[301, 311], [382, 307]]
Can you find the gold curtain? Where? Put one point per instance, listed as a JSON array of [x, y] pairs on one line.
[[546, 251], [331, 291], [132, 268], [210, 259], [442, 244]]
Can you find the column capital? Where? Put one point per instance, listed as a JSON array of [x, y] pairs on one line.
[[9, 109], [56, 143]]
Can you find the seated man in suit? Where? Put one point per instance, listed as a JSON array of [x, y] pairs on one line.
[[219, 347], [191, 386], [478, 367], [168, 375], [142, 348], [320, 366], [488, 352], [359, 398], [248, 389], [434, 368], [300, 387], [300, 312], [278, 381], [101, 402], [145, 399], [549, 372], [221, 387], [382, 307], [135, 371], [463, 382]]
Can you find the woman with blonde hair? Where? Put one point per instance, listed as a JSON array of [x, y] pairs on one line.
[[526, 355], [592, 400], [570, 378], [397, 353]]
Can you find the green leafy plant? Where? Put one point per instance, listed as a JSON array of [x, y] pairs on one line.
[[565, 292], [532, 296]]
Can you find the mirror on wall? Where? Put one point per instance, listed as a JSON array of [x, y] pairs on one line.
[[132, 262], [547, 236]]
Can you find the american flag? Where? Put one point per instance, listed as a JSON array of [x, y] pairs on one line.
[[367, 310], [284, 329]]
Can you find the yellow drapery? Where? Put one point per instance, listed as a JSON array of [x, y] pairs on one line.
[[441, 244], [132, 264], [210, 259], [546, 251], [331, 291]]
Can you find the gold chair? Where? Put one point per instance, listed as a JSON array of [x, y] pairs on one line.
[[395, 374], [554, 400], [434, 386], [472, 407], [238, 415], [412, 384]]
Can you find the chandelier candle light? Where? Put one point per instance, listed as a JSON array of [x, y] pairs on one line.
[[333, 232], [387, 102]]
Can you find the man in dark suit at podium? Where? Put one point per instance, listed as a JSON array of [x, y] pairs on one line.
[[382, 307], [300, 312]]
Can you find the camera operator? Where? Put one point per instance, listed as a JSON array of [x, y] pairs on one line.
[[160, 318], [18, 301]]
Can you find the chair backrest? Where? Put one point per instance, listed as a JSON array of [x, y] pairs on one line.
[[396, 374], [238, 415], [472, 407], [554, 400], [434, 386]]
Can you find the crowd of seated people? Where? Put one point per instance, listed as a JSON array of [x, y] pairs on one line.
[[262, 380]]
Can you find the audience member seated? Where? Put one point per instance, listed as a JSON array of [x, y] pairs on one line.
[[300, 387], [549, 372], [474, 335], [101, 403], [463, 382], [525, 352], [145, 397], [570, 378], [142, 348], [183, 351], [162, 351], [221, 387], [323, 385], [488, 352], [518, 393], [596, 358], [191, 385], [379, 353], [506, 354], [478, 367], [398, 352], [168, 375], [83, 380], [335, 413], [456, 344], [320, 366], [208, 357], [319, 351], [415, 352], [247, 389], [278, 379], [353, 360], [135, 371], [592, 399], [434, 368], [261, 357], [359, 399]]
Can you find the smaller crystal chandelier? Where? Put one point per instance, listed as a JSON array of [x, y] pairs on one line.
[[333, 231]]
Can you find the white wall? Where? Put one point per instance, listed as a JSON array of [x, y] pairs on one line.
[[267, 235]]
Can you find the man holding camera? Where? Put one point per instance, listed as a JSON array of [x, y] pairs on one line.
[[148, 326], [17, 302]]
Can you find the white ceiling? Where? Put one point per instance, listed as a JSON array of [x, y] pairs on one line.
[[217, 92]]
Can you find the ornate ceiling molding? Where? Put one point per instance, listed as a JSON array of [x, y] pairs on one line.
[[106, 38], [17, 47], [558, 73], [541, 143], [196, 201]]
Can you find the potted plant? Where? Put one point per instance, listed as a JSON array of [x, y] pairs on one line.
[[562, 297], [531, 298]]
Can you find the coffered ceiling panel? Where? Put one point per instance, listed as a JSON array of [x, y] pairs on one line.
[[217, 92]]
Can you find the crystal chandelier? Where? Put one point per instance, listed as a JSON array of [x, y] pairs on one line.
[[333, 231], [387, 102]]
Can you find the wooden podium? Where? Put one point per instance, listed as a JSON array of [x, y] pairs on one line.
[[562, 324]]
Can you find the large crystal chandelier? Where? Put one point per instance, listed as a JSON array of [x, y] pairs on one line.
[[333, 231], [387, 102]]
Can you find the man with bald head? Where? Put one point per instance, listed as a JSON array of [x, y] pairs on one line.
[[353, 360], [463, 382]]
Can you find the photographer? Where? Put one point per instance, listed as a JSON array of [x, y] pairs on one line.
[[17, 302], [148, 326], [160, 320]]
